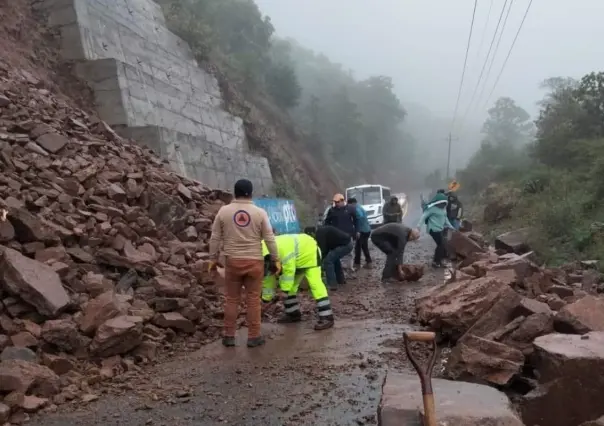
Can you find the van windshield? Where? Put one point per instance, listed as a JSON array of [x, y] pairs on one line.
[[366, 196]]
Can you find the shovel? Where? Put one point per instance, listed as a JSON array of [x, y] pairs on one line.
[[425, 374]]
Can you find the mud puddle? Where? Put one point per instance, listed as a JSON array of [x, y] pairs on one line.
[[299, 377]]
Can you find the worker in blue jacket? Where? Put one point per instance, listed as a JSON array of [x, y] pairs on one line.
[[364, 231]]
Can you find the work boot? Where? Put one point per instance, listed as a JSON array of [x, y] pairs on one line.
[[229, 342], [324, 323], [290, 318], [332, 287], [436, 265], [255, 341]]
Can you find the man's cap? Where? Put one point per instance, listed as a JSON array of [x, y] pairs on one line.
[[243, 188], [337, 198]]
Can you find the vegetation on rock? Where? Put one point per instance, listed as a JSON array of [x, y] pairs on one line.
[[551, 173]]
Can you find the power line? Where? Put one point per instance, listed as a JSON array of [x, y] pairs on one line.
[[465, 62], [484, 30], [486, 79], [485, 62], [509, 53]]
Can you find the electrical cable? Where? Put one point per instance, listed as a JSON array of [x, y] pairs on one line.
[[485, 63], [465, 62], [509, 53], [486, 79], [484, 30]]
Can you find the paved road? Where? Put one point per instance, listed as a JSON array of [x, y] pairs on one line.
[[301, 377]]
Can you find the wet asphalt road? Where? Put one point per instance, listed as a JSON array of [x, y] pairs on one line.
[[300, 377]]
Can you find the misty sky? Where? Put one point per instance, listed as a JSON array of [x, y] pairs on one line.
[[421, 43]]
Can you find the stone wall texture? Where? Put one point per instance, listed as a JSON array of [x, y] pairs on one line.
[[148, 86]]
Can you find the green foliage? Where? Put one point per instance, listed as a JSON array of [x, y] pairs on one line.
[[503, 152], [353, 126], [354, 123], [561, 185], [282, 85], [235, 35]]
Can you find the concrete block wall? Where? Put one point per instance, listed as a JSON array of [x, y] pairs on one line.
[[144, 76]]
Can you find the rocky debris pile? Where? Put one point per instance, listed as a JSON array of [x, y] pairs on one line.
[[103, 251], [517, 326]]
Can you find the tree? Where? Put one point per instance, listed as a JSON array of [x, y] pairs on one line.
[[556, 125], [507, 124], [503, 150], [282, 84]]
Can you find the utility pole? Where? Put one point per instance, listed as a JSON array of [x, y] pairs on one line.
[[450, 139]]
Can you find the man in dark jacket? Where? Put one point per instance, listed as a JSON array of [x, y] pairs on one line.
[[391, 239], [334, 245], [454, 206], [362, 243], [392, 211], [342, 216]]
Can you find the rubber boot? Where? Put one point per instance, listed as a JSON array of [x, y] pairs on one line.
[[324, 323], [229, 342], [256, 341], [290, 318]]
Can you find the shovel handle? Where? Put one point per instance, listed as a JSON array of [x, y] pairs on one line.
[[420, 336], [425, 374]]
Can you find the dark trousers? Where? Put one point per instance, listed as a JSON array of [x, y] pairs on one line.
[[440, 252], [394, 254], [333, 265], [362, 244]]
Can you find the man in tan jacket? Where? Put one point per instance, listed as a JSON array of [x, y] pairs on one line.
[[242, 226]]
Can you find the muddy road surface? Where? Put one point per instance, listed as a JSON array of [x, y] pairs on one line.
[[300, 377]]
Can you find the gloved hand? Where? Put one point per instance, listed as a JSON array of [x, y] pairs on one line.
[[212, 266], [278, 267]]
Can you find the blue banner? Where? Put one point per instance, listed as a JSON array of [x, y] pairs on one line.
[[282, 214]]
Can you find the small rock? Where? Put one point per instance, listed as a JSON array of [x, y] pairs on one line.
[[23, 354], [174, 320], [63, 334], [31, 403]]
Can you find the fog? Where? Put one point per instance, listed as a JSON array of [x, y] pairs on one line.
[[421, 45]]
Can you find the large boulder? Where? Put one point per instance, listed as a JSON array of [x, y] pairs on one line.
[[117, 336], [34, 282], [484, 361], [531, 327], [457, 403], [570, 386], [28, 377], [63, 334], [100, 309], [453, 308], [582, 316], [514, 241], [461, 244], [501, 313]]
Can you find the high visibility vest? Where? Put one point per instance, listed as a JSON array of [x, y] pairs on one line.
[[296, 251]]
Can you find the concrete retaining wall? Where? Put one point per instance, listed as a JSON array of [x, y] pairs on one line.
[[145, 77]]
